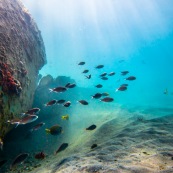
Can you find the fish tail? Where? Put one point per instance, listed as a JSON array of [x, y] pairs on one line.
[[47, 131], [22, 114], [51, 90], [17, 124], [116, 90]]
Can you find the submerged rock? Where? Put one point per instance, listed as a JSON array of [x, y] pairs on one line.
[[22, 55]]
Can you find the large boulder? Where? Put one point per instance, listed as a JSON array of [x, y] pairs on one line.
[[22, 55]]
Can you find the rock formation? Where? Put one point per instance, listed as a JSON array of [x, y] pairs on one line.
[[22, 55]]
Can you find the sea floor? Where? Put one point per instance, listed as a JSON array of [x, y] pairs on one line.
[[130, 142]]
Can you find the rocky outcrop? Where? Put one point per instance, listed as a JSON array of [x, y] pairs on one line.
[[22, 55]]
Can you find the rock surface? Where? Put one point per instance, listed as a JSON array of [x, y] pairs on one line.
[[22, 55]]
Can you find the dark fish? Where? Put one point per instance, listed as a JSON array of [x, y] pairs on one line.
[[71, 85], [104, 78], [88, 77], [124, 73], [121, 88], [124, 85], [92, 127], [111, 74], [83, 102], [54, 130], [38, 126], [107, 99], [62, 147], [40, 155], [58, 89], [105, 94], [131, 78], [103, 74], [85, 71], [99, 66], [67, 104], [60, 101], [50, 103], [81, 63], [19, 160], [67, 85], [99, 86], [2, 162], [31, 111], [93, 146], [97, 96]]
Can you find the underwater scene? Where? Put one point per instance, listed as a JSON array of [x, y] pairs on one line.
[[86, 86]]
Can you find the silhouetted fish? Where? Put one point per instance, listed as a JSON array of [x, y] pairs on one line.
[[103, 74], [99, 86], [97, 96], [83, 102], [107, 99], [93, 146], [81, 63], [124, 73], [131, 78], [31, 111], [67, 104], [92, 127], [104, 78], [88, 77], [50, 103], [19, 159], [121, 88], [62, 147], [111, 74], [99, 66], [71, 85], [54, 130], [38, 126], [58, 89], [60, 101], [85, 71], [2, 162]]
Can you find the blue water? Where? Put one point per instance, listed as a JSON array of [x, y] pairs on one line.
[[123, 35]]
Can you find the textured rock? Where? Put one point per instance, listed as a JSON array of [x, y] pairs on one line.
[[22, 54]]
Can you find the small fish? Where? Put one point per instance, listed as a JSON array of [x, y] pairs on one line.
[[65, 117], [19, 160], [60, 101], [121, 88], [131, 78], [165, 92], [40, 155], [97, 96], [81, 63], [99, 86], [99, 66], [62, 147], [37, 127], [124, 85], [88, 77], [123, 73], [50, 103], [103, 74], [2, 162], [107, 99], [1, 144], [104, 78], [23, 121], [58, 89], [92, 127], [31, 111], [54, 130], [105, 94], [85, 71], [111, 74], [67, 104], [83, 102], [93, 146], [71, 85]]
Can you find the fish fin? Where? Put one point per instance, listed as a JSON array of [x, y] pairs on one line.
[[51, 90], [17, 124], [22, 115], [47, 131]]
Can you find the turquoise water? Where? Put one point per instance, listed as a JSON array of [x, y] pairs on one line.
[[107, 32]]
